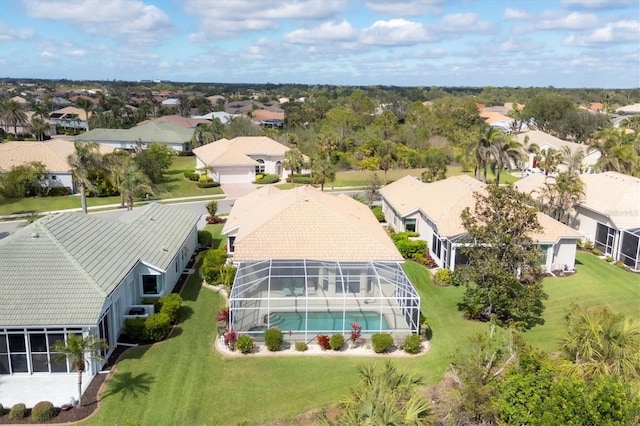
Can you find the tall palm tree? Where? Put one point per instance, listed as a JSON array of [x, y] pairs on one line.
[[85, 160], [12, 114], [618, 151], [507, 152], [127, 178], [322, 170], [79, 350], [294, 161], [573, 160], [549, 159], [561, 194], [484, 149], [38, 128], [85, 105], [387, 157]]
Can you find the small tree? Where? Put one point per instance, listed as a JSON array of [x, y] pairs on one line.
[[373, 189], [78, 350], [212, 207]]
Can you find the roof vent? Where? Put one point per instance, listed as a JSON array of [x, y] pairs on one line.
[[165, 249], [34, 235]]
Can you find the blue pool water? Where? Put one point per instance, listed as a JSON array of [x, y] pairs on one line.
[[327, 321]]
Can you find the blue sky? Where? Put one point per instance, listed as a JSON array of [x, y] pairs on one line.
[[563, 43]]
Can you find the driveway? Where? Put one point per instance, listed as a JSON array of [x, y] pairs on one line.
[[237, 190]]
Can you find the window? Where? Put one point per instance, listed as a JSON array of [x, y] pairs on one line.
[[150, 284], [544, 248], [232, 244], [436, 245], [410, 225], [260, 167]]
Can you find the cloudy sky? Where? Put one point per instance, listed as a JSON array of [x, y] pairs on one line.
[[563, 43]]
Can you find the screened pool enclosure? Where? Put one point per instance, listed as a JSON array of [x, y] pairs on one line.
[[305, 298]]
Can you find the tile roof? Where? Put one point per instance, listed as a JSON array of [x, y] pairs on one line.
[[237, 150], [52, 153], [69, 111], [178, 120], [541, 138], [162, 132], [443, 201], [60, 269], [305, 223]]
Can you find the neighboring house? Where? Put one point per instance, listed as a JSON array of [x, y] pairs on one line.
[[81, 274], [52, 153], [178, 120], [239, 160], [546, 141], [176, 137], [71, 117], [25, 129], [311, 263], [500, 121], [171, 102], [224, 117], [608, 214], [632, 109], [433, 211]]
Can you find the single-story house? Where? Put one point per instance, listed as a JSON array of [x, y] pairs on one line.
[[25, 129], [224, 117], [312, 263], [186, 122], [433, 211], [240, 159], [175, 136], [81, 274], [608, 215], [546, 141], [52, 153]]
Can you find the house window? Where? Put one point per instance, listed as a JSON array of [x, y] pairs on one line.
[[53, 177], [150, 284], [260, 167], [410, 225], [436, 246], [232, 244], [544, 248]]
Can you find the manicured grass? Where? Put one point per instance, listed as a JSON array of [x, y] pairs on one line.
[[215, 230], [173, 185], [185, 381]]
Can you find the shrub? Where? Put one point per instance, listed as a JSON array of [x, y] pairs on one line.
[[377, 212], [205, 239], [336, 342], [208, 184], [268, 178], [587, 245], [323, 341], [212, 220], [408, 248], [59, 191], [412, 344], [301, 346], [157, 305], [273, 339], [609, 259], [18, 412], [244, 344], [171, 305], [134, 328], [43, 411], [381, 342], [444, 277], [157, 326], [356, 332], [596, 251], [212, 207], [188, 173], [301, 179], [621, 265], [230, 338], [213, 261]]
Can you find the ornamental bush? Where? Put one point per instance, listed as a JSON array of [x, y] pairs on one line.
[[273, 339], [323, 342], [205, 239], [443, 277], [43, 411], [336, 342], [157, 326], [244, 344], [18, 412], [596, 251], [230, 338], [171, 305], [412, 344], [301, 346], [377, 212], [208, 184], [381, 342], [267, 178], [134, 328]]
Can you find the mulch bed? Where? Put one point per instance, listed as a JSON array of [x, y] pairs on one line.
[[89, 398]]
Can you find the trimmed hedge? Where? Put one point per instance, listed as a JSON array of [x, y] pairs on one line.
[[171, 305], [381, 342], [301, 179], [205, 239], [18, 412], [157, 326], [336, 342], [412, 344], [244, 344], [134, 328], [268, 178], [208, 184], [273, 339], [43, 411], [301, 346]]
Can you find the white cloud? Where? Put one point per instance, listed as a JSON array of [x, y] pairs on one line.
[[510, 13], [612, 33], [600, 4], [327, 32], [465, 23], [77, 53], [46, 54], [573, 21], [395, 32], [131, 19], [406, 7], [10, 34]]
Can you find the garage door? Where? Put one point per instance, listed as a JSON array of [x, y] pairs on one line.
[[234, 176]]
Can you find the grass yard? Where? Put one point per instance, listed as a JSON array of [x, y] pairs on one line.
[[174, 185], [185, 381]]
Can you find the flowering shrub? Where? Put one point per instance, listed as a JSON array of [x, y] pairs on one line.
[[223, 315], [356, 332], [323, 341], [230, 338]]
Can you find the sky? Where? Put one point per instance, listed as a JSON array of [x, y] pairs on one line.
[[517, 43]]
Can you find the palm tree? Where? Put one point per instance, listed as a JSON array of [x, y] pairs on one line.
[[78, 350], [85, 160], [38, 128], [12, 114], [617, 151], [549, 159], [127, 178], [507, 151], [386, 153], [207, 133], [294, 161], [573, 160], [560, 195], [600, 343], [322, 170], [484, 149], [85, 105]]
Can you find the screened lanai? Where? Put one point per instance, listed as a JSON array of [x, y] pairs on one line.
[[305, 298]]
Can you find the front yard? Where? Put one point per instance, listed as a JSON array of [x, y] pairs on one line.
[[185, 381]]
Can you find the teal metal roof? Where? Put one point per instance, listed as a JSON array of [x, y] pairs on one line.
[[60, 269]]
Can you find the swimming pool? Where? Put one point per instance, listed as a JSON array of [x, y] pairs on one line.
[[327, 321]]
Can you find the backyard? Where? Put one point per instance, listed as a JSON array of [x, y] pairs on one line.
[[185, 381]]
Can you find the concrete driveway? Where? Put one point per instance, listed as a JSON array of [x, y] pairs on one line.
[[237, 190]]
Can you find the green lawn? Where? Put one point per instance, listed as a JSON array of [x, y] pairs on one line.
[[174, 185], [185, 381]]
